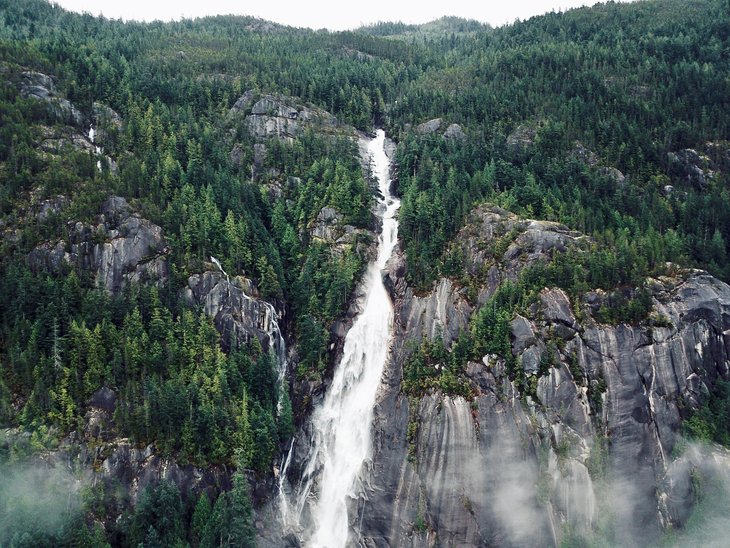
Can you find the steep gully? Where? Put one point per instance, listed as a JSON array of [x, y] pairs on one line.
[[340, 445]]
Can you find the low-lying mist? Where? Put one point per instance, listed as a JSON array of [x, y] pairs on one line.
[[37, 502], [696, 498]]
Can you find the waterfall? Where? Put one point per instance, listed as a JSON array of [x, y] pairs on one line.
[[341, 425], [278, 346], [97, 149]]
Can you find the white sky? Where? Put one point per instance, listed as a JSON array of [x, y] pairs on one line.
[[330, 14]]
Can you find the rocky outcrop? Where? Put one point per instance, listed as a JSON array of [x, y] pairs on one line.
[[429, 126], [719, 154], [584, 154], [454, 132], [107, 124], [498, 245], [696, 168], [117, 460], [58, 140], [587, 156], [39, 86], [522, 136], [237, 315], [614, 174], [441, 313], [279, 116], [330, 228], [44, 209], [98, 455], [120, 247], [327, 224]]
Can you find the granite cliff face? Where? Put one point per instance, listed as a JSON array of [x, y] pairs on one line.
[[597, 438], [237, 315], [120, 247], [279, 116]]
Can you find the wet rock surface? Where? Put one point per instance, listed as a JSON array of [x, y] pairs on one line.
[[510, 469], [238, 316]]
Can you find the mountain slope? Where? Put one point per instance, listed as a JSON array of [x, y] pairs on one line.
[[149, 267]]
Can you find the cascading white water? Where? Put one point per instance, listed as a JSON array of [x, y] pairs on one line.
[[341, 425]]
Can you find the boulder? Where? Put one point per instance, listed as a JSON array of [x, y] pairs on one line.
[[428, 127], [454, 132]]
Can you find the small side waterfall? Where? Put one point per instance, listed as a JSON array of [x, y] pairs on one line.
[[98, 150], [268, 323], [341, 425]]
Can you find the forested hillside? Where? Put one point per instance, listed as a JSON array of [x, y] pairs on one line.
[[612, 120]]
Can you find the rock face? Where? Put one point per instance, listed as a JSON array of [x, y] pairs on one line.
[[237, 316], [698, 169], [120, 247], [279, 116], [41, 87], [510, 469], [99, 454], [471, 483]]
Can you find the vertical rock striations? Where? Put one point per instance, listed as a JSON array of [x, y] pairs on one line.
[[598, 433]]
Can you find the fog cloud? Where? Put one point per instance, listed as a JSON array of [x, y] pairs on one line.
[[35, 500]]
